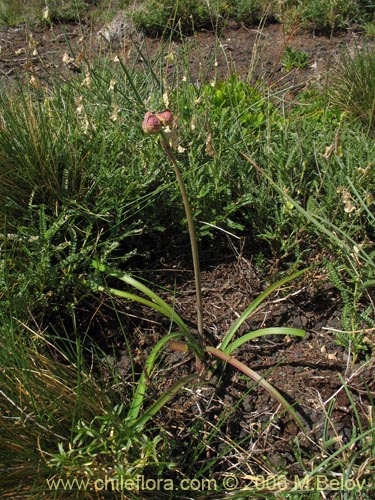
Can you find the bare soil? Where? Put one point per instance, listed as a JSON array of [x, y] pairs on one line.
[[307, 371], [246, 52]]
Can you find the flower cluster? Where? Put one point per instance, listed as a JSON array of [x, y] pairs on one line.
[[154, 122]]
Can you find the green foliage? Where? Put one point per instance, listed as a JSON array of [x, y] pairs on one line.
[[72, 184], [108, 443], [225, 99], [42, 397], [62, 11], [293, 58], [339, 211], [59, 420], [341, 457], [167, 16], [227, 114], [352, 84], [12, 11], [80, 182], [303, 151], [351, 290], [249, 12], [370, 30], [156, 18], [328, 16], [37, 11], [47, 261]]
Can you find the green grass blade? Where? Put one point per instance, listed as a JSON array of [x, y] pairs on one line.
[[370, 215], [346, 243], [258, 379], [274, 330], [236, 325], [324, 465], [356, 416], [150, 64], [131, 82]]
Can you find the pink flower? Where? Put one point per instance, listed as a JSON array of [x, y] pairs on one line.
[[151, 123], [166, 117]]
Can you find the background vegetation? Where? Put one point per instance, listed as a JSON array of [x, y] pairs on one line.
[[156, 17], [80, 182]]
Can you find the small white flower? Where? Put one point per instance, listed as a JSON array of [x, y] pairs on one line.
[[46, 13], [67, 59], [112, 84], [115, 112], [87, 81]]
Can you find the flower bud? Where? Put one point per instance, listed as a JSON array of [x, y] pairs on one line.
[[166, 117], [151, 123]]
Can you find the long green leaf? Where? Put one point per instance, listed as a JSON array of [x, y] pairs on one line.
[[131, 82], [139, 394], [258, 379], [244, 316], [274, 330], [156, 302], [133, 297], [164, 399]]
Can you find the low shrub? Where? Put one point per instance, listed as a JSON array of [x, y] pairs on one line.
[[328, 16]]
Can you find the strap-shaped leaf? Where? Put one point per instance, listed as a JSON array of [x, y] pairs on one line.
[[251, 308], [164, 399], [139, 394], [156, 302], [273, 330]]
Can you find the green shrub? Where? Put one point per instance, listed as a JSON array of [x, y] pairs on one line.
[[249, 12], [73, 181], [327, 16], [369, 30], [228, 115], [107, 444], [35, 11], [167, 16], [155, 18], [293, 58]]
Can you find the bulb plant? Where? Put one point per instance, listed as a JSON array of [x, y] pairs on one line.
[[182, 339], [156, 123]]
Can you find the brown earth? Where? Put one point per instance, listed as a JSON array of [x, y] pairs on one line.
[[308, 370], [247, 52]]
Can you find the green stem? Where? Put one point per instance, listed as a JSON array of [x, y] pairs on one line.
[[192, 233]]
